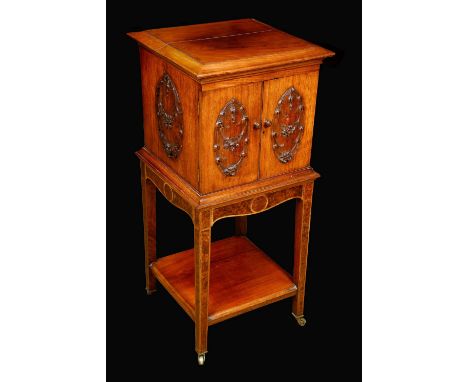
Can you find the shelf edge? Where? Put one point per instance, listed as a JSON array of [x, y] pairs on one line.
[[258, 303]]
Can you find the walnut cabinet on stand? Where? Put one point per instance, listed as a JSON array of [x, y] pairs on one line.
[[228, 123]]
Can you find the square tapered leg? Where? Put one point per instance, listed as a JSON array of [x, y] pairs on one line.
[[301, 248], [202, 247], [149, 223]]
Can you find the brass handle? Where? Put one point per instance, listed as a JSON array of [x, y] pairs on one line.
[[267, 123], [256, 125]]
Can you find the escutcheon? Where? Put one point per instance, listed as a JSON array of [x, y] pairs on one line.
[[231, 137], [287, 125], [169, 112]]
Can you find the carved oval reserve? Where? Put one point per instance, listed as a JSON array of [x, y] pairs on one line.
[[231, 137], [288, 125], [169, 112]]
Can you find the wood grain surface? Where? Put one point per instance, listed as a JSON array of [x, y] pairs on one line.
[[306, 85], [152, 69], [228, 49], [242, 278], [211, 178]]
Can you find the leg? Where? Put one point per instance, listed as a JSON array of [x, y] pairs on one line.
[[202, 246], [241, 225], [301, 246], [149, 222]]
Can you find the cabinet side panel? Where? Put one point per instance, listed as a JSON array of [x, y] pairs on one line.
[[220, 141], [153, 69], [306, 86]]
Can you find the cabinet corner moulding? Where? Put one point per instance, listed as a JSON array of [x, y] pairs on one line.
[[288, 125], [169, 113], [231, 137]]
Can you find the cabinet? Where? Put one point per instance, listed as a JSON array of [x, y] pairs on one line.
[[281, 145], [228, 123]]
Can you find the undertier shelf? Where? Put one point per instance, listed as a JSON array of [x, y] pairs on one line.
[[242, 278]]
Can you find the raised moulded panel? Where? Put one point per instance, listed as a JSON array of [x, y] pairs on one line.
[[169, 113], [221, 162], [288, 106], [288, 125], [231, 137]]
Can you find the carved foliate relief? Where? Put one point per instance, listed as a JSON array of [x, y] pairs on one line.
[[169, 112], [231, 137], [288, 125]]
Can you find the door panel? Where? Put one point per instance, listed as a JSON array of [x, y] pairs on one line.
[[229, 146], [289, 104]]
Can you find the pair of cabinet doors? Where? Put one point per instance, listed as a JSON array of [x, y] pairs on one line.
[[257, 130], [227, 136]]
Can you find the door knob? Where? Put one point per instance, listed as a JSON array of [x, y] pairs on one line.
[[256, 125], [267, 123]]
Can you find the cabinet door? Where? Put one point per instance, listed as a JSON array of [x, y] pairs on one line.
[[288, 121], [228, 144]]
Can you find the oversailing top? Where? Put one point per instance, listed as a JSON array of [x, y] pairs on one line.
[[229, 48]]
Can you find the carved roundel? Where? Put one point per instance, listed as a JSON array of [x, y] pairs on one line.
[[169, 112], [231, 137], [288, 125]]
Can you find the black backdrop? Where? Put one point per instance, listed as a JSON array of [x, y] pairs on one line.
[[148, 335]]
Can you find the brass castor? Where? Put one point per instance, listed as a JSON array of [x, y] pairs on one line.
[[149, 292], [300, 319], [201, 359]]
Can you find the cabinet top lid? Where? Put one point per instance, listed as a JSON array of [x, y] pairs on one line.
[[229, 48]]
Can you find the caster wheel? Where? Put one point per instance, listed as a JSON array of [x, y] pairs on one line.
[[300, 320], [201, 359]]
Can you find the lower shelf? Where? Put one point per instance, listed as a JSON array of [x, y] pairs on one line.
[[242, 278]]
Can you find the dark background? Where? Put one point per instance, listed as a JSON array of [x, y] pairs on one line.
[[149, 336]]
